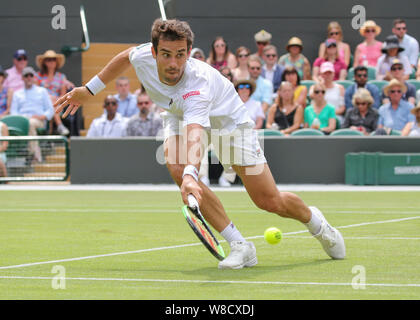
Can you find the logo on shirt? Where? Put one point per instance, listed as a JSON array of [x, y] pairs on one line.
[[191, 93]]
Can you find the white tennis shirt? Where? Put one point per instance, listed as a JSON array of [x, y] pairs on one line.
[[202, 96]]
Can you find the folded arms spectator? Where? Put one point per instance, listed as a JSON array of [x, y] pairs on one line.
[[362, 117]]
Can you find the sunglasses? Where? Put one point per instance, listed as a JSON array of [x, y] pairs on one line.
[[361, 75], [109, 103], [319, 91], [28, 75], [334, 33], [271, 55], [370, 30], [50, 59], [395, 91], [22, 58], [396, 68], [255, 68], [244, 86], [243, 55], [260, 43]]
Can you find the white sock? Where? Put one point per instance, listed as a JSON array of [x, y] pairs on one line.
[[314, 225], [230, 233]]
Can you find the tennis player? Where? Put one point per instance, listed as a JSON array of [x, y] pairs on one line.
[[202, 106]]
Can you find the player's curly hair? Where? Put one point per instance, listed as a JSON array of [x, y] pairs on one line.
[[171, 30]]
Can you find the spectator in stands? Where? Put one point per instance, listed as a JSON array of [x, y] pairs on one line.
[[241, 71], [197, 53], [271, 70], [368, 52], [334, 31], [334, 92], [409, 43], [227, 73], [331, 55], [413, 128], [395, 115], [34, 103], [4, 132], [319, 115], [300, 92], [264, 90], [220, 55], [127, 104], [262, 38], [363, 117], [111, 124], [418, 70], [392, 50], [285, 114], [146, 122], [361, 81], [5, 95], [245, 89], [54, 81], [397, 72], [295, 58], [14, 80]]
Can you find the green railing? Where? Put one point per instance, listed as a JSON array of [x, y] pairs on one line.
[[35, 158], [68, 50]]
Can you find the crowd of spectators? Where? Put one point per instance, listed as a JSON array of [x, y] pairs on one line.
[[340, 89]]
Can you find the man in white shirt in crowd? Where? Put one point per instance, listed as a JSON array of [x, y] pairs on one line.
[[199, 100], [409, 43], [111, 124], [127, 104]]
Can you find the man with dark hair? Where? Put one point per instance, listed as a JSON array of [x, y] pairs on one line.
[[409, 43], [361, 81], [199, 100]]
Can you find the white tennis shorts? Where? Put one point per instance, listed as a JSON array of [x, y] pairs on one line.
[[240, 147]]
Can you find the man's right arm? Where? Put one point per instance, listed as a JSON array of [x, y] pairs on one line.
[[80, 95]]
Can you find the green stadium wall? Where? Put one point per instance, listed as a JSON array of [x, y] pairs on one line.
[[293, 160]]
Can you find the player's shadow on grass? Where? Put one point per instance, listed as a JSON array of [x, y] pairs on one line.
[[250, 273]]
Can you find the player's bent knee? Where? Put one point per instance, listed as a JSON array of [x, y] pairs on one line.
[[273, 203]]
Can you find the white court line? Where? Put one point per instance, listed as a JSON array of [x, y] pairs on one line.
[[173, 187], [397, 285], [362, 238], [186, 245], [168, 210]]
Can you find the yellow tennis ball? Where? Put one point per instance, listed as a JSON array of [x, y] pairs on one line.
[[273, 235]]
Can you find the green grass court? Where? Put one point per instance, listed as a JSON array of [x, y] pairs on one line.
[[137, 245]]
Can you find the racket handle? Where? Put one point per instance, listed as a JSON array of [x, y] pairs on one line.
[[192, 202]]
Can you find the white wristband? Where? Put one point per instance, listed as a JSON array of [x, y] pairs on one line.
[[95, 85], [192, 171]]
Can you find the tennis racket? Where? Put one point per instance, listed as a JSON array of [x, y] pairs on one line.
[[200, 227]]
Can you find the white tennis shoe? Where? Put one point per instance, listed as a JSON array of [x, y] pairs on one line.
[[331, 239], [242, 254]]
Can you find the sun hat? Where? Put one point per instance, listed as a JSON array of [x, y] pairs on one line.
[[51, 54]]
